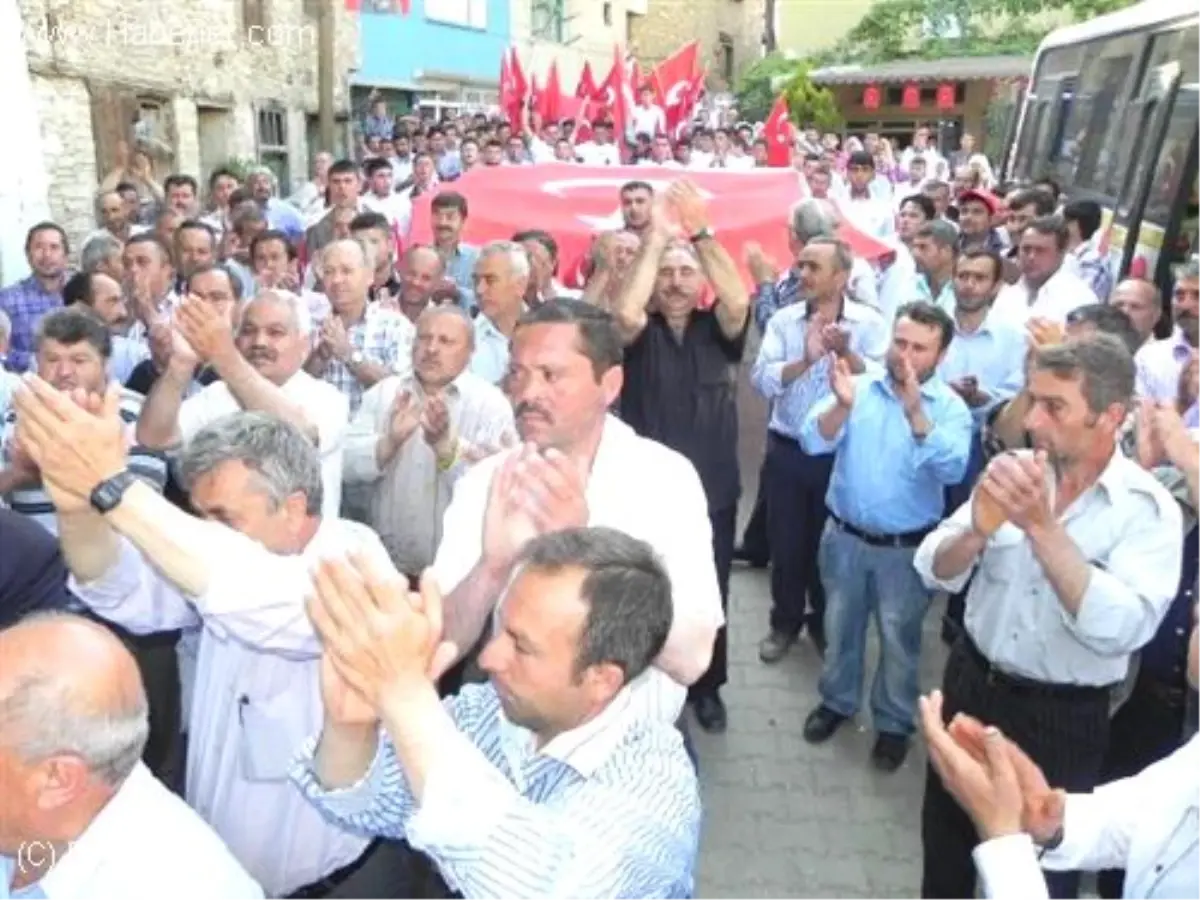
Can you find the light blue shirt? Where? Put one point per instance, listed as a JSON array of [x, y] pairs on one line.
[[945, 298], [282, 216], [608, 809], [460, 268], [783, 342], [994, 354], [8, 868], [883, 480], [490, 359]]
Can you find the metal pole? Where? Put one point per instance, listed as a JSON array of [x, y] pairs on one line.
[[326, 32]]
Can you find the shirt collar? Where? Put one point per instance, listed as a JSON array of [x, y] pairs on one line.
[[78, 873], [584, 748]]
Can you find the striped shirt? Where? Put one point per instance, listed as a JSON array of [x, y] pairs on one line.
[[149, 465], [608, 809]]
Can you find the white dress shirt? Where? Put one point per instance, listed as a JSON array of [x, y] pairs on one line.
[[637, 486], [143, 845], [1159, 365], [395, 208], [257, 694], [899, 282], [327, 408], [649, 120], [593, 154], [1146, 824], [1063, 293], [1127, 527], [409, 497], [870, 214]]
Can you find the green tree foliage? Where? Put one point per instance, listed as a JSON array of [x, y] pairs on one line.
[[933, 29], [775, 74]]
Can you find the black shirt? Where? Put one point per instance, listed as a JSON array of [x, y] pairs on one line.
[[142, 379], [33, 576], [683, 393]]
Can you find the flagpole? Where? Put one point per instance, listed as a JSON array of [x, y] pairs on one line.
[[326, 44]]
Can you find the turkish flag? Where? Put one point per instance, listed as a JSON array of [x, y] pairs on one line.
[[673, 79], [691, 99], [518, 92], [587, 89], [617, 97], [575, 203], [552, 96], [778, 134]]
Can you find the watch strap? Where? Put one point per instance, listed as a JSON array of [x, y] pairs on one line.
[[107, 495]]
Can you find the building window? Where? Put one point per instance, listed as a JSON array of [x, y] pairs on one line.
[[725, 52], [547, 19], [468, 13], [608, 14], [273, 145], [254, 15]]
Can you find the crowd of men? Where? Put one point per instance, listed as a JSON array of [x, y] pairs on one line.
[[400, 563]]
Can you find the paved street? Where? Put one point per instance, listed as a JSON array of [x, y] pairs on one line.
[[783, 818]]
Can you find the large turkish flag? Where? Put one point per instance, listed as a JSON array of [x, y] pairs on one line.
[[574, 203]]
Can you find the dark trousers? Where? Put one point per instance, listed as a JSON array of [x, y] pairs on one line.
[[1062, 729], [956, 496], [386, 869], [1149, 726], [795, 518], [724, 534], [756, 539]]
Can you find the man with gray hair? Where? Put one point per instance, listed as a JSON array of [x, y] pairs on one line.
[[811, 218], [413, 434], [260, 367], [501, 280], [934, 250], [103, 254], [1078, 555], [240, 574], [82, 816]]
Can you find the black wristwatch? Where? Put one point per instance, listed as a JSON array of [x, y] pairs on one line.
[[107, 495]]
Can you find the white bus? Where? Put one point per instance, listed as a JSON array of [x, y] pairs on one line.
[[1111, 115]]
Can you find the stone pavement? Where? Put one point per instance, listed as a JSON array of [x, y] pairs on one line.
[[783, 818]]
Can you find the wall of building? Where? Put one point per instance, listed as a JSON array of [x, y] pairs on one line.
[[403, 51], [668, 24], [807, 26], [202, 69], [590, 30]]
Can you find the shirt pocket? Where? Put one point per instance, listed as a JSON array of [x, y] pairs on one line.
[[271, 733]]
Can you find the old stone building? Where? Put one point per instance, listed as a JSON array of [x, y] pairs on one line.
[[730, 34], [201, 82]]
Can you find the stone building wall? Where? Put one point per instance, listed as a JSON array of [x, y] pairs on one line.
[[668, 24], [200, 69]]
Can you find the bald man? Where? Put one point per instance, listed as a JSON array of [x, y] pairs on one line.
[[423, 282], [1140, 300], [73, 722]]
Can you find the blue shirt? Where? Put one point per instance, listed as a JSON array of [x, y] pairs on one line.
[[608, 809], [282, 216], [8, 868], [994, 354], [783, 343], [460, 268], [1165, 657], [945, 298], [883, 480], [492, 351], [26, 302]]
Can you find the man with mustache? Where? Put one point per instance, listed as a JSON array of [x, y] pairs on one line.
[[1078, 556], [879, 511], [1160, 363], [579, 466], [681, 379], [259, 362]]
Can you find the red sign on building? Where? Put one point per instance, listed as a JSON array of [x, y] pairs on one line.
[[910, 98], [872, 98], [947, 96]]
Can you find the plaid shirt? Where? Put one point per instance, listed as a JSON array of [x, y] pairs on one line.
[[1093, 267], [26, 302], [382, 336]]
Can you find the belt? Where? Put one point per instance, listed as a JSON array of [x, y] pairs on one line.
[[904, 541], [334, 879], [1029, 687]]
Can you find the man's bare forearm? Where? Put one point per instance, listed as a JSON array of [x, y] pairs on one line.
[[344, 754], [1009, 426], [467, 607], [957, 554], [733, 305], [90, 547], [1065, 566], [831, 421], [166, 535], [158, 423], [253, 392]]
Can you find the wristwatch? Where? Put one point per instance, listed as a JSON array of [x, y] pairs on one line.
[[702, 235], [357, 358], [107, 495]]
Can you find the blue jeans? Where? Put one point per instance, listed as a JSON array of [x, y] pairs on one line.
[[862, 581]]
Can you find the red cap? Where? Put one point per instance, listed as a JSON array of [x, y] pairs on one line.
[[987, 198]]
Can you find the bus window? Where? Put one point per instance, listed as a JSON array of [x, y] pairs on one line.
[[1094, 130], [1170, 168]]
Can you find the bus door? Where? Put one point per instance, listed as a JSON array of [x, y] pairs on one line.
[[1149, 117]]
